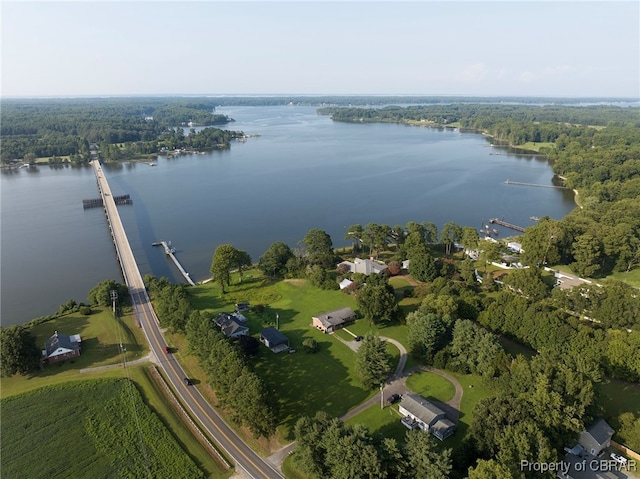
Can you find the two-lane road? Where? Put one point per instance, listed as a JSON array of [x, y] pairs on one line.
[[202, 412]]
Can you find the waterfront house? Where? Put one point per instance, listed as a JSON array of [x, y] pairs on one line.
[[420, 413], [364, 266], [60, 347], [274, 339], [329, 322]]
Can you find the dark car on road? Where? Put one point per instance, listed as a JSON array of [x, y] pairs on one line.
[[358, 338], [394, 398], [188, 382]]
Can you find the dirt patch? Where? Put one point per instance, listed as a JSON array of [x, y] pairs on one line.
[[296, 282], [499, 274]]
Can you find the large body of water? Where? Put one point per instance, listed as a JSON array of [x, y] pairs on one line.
[[304, 171]]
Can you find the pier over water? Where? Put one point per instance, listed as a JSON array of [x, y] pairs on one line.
[[170, 252]]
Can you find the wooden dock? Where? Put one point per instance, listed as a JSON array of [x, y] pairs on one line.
[[169, 251], [507, 225], [509, 182]]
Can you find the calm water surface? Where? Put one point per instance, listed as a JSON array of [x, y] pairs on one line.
[[303, 171]]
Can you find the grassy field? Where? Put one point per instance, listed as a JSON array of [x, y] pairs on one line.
[[431, 386], [534, 146], [384, 421], [306, 382], [632, 277], [79, 436], [615, 397], [101, 333]]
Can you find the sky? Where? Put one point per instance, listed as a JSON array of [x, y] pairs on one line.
[[478, 48]]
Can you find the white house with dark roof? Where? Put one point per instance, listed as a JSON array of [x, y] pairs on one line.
[[232, 325], [418, 412], [329, 322], [364, 266], [60, 347]]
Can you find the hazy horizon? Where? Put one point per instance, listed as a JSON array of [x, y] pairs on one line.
[[420, 48]]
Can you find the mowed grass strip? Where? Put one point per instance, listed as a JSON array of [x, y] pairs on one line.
[[431, 386], [93, 429]]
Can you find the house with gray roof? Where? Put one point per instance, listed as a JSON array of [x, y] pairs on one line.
[[329, 322], [274, 339], [597, 438], [364, 266], [584, 460], [418, 412], [231, 325], [60, 347]]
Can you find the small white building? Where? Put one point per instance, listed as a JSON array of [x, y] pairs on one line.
[[514, 247]]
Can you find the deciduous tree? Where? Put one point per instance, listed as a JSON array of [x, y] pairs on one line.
[[319, 247], [223, 260], [377, 302], [18, 351], [274, 261]]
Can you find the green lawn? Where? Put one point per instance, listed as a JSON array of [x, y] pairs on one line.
[[431, 386], [534, 145], [387, 421], [632, 277], [305, 383], [615, 397], [384, 421], [101, 334]]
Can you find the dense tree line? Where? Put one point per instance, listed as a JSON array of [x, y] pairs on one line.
[[238, 389], [326, 447], [170, 301], [51, 127], [547, 121], [19, 353]]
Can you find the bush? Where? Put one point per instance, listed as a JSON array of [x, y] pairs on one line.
[[85, 310], [310, 345]]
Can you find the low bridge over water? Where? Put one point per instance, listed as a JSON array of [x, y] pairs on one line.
[[201, 411]]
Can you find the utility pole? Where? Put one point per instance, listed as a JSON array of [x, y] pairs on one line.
[[277, 321], [114, 300]]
